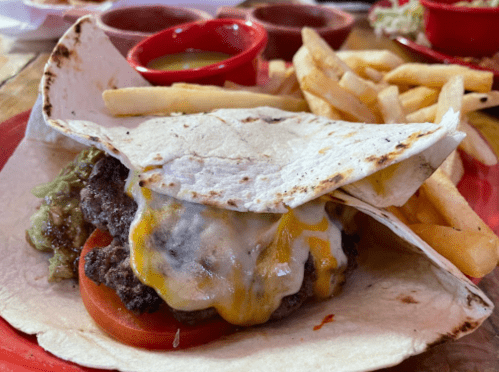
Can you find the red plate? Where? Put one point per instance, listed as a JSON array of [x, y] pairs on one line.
[[428, 54], [431, 55], [20, 352]]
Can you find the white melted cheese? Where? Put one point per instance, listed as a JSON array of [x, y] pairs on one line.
[[242, 264]]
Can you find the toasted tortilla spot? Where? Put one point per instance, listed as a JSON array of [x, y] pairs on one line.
[[60, 53], [337, 178], [149, 179], [467, 326], [425, 134], [93, 138], [379, 160], [232, 203], [49, 77], [331, 182], [77, 28], [47, 108], [401, 146], [272, 120], [244, 179], [113, 149], [439, 341], [295, 190], [196, 159], [472, 297], [408, 300], [249, 120]]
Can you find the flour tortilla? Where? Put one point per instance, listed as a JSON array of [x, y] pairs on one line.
[[266, 159], [395, 304]]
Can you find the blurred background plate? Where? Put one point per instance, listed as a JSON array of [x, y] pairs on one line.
[[28, 20]]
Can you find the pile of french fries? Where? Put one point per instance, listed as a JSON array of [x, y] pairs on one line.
[[371, 86]]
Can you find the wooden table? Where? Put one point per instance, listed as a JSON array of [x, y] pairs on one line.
[[20, 75]]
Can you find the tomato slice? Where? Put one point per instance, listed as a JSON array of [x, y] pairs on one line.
[[158, 330]]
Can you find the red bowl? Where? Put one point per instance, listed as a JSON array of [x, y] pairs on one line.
[[126, 26], [284, 22], [461, 30], [243, 40]]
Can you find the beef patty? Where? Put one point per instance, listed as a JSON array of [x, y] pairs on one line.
[[106, 205]]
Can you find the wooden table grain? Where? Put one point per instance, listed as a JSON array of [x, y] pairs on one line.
[[20, 74]]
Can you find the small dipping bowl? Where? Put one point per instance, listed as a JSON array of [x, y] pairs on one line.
[[284, 22], [461, 30], [242, 40], [126, 26]]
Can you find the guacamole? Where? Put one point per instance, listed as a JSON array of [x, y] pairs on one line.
[[58, 225]]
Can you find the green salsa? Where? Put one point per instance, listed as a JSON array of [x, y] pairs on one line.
[[58, 225], [187, 60]]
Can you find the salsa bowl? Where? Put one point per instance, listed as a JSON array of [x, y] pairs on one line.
[[242, 41], [461, 30]]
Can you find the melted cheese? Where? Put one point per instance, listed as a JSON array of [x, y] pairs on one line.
[[242, 264]]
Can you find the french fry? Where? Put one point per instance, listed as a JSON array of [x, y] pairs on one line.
[[453, 207], [358, 66], [424, 115], [290, 84], [277, 75], [365, 90], [391, 109], [474, 253], [450, 97], [418, 209], [383, 60], [475, 146], [418, 97], [323, 55], [398, 213], [488, 126], [425, 212], [304, 64], [374, 75], [317, 83], [409, 209], [277, 68], [437, 75], [230, 85], [479, 101], [196, 86], [471, 102], [453, 167], [166, 100]]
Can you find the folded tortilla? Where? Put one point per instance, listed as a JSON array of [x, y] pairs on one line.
[[402, 298], [260, 167]]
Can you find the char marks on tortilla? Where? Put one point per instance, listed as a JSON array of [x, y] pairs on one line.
[[285, 159]]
